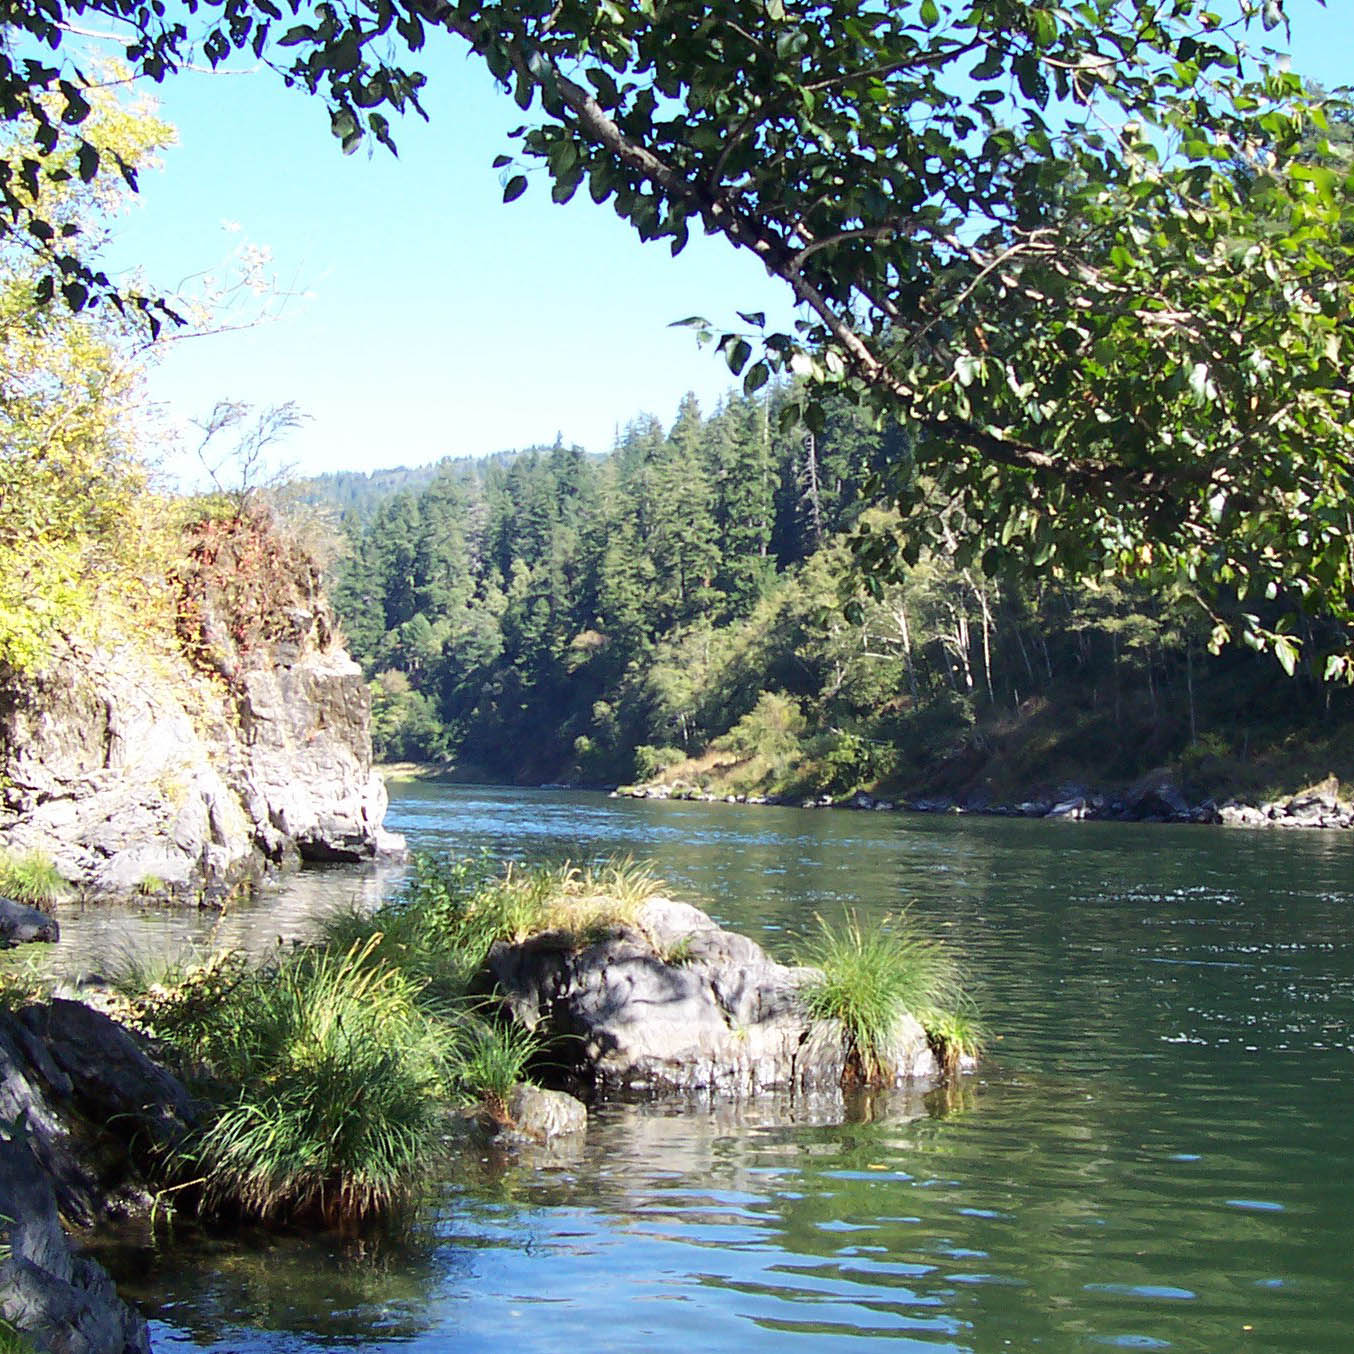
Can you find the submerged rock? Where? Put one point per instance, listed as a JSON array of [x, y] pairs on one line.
[[675, 1003]]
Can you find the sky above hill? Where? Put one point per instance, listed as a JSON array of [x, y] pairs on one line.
[[416, 315]]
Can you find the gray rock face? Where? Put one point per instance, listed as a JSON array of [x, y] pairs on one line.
[[140, 777], [677, 1004], [20, 925]]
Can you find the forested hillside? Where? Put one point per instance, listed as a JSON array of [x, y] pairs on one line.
[[558, 617]]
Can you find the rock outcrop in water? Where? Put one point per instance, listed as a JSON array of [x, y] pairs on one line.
[[182, 774], [675, 1003], [21, 925]]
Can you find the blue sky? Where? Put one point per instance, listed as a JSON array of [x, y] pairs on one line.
[[430, 319]]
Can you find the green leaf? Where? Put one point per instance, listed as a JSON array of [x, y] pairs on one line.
[[515, 187], [757, 376], [930, 13], [736, 354], [1286, 654]]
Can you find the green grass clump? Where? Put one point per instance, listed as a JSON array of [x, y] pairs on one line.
[[30, 878], [955, 1034], [452, 911], [489, 1061], [329, 1077], [872, 977], [13, 1341], [22, 982]]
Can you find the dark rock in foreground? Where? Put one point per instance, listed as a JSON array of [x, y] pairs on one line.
[[81, 1104], [674, 1003], [59, 1301]]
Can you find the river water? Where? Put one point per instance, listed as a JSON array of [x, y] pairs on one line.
[[1158, 1152]]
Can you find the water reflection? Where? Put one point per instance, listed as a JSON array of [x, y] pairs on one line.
[[99, 935]]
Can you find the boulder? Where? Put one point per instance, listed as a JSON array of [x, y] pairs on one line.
[[543, 1115], [82, 1105], [675, 1003], [94, 1103], [1155, 798], [1072, 809], [55, 1299], [19, 924]]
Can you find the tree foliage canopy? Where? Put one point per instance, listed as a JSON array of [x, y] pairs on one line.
[[1095, 255], [78, 539]]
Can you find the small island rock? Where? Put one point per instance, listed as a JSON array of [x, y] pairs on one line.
[[673, 1002]]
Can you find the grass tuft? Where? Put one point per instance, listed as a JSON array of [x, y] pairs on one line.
[[23, 981], [453, 911], [872, 977], [489, 1061], [13, 1341], [956, 1034], [31, 878]]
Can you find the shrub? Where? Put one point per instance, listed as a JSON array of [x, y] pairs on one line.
[[651, 762], [771, 730], [31, 878], [870, 978]]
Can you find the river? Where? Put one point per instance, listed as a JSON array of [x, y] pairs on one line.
[[1158, 1152]]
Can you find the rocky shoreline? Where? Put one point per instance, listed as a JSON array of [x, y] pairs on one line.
[[94, 1119], [1155, 799]]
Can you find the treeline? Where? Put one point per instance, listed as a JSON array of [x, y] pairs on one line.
[[554, 616]]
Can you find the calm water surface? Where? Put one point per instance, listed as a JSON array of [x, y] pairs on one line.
[[1158, 1153]]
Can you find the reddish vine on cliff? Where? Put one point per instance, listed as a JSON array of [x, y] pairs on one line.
[[243, 585]]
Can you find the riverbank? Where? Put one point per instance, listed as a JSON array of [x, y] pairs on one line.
[[1154, 799]]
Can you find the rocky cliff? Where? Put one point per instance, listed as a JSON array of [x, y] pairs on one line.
[[184, 769]]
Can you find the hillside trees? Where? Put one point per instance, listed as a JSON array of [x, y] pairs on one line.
[[577, 663]]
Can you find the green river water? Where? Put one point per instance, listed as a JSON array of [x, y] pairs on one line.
[[1158, 1152]]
